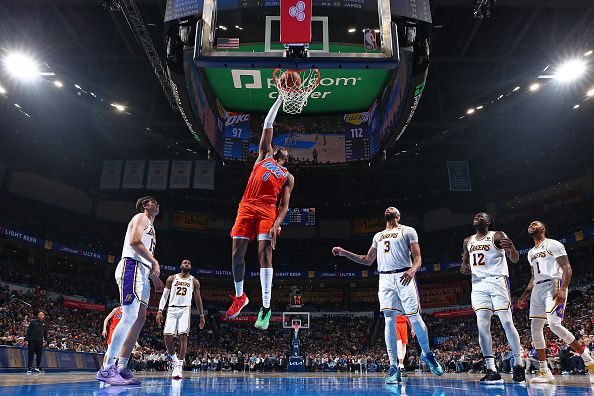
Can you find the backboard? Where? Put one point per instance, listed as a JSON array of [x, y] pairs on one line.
[[291, 318]]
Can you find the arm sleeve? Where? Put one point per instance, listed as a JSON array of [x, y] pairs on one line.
[[410, 235], [164, 298], [556, 248]]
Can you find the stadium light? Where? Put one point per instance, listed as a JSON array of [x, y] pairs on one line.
[[516, 88], [590, 92], [479, 107], [2, 90], [118, 107], [17, 105], [352, 30], [570, 70], [77, 86], [58, 83], [577, 106], [21, 66], [534, 87], [588, 53], [470, 111]]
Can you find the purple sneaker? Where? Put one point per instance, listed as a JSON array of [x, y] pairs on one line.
[[127, 375], [111, 376]]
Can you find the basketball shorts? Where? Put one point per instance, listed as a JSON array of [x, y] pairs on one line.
[[402, 332], [178, 321], [394, 296], [542, 301], [254, 221], [491, 293], [133, 282]]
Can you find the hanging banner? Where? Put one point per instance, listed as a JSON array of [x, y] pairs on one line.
[[190, 221], [180, 174], [111, 175], [369, 226], [459, 176], [204, 175], [83, 305], [133, 174], [158, 173]]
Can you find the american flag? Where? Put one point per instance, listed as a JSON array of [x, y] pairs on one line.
[[232, 43]]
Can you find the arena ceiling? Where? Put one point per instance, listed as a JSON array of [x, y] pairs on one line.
[[472, 61]]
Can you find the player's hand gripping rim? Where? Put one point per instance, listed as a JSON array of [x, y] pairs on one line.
[[407, 277]]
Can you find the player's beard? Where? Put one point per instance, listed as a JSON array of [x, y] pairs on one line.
[[186, 271], [390, 216]]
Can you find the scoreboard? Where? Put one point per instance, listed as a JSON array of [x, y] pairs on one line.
[[236, 133], [300, 216], [296, 300], [356, 137]]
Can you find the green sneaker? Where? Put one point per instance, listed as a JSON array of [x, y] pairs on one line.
[[263, 318]]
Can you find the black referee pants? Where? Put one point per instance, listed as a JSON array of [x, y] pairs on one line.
[[35, 348]]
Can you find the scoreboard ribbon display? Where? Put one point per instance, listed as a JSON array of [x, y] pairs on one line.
[[237, 134]]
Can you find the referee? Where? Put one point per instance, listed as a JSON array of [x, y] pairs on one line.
[[36, 335]]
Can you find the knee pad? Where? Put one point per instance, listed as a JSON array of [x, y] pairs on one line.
[[536, 328], [560, 330]]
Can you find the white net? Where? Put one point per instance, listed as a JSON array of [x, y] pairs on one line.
[[296, 91]]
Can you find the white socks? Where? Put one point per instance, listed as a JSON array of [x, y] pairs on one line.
[[391, 339], [238, 289], [266, 283], [122, 363], [490, 363]]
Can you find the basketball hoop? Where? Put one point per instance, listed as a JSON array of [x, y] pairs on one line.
[[295, 96]]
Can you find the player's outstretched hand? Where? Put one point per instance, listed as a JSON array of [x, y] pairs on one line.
[[159, 318], [158, 284], [337, 251], [407, 277], [202, 322]]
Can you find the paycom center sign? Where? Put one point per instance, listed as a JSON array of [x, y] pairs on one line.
[[339, 91]]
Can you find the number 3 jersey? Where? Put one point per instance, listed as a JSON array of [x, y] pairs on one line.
[[393, 247], [182, 290], [543, 257], [485, 258]]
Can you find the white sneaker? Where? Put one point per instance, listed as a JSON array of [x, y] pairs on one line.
[[177, 370], [543, 377], [590, 368]]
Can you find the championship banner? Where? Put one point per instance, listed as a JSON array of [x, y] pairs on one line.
[[190, 221], [83, 305], [204, 175], [158, 173], [111, 175], [459, 174], [180, 174], [369, 226], [133, 174]]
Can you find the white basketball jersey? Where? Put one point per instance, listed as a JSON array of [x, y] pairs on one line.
[[393, 247], [148, 239], [182, 291], [542, 258], [485, 258]]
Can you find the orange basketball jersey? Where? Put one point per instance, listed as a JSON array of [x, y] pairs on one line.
[[115, 319], [265, 182]]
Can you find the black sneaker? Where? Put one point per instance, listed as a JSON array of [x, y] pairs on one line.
[[39, 371], [491, 377], [519, 374]]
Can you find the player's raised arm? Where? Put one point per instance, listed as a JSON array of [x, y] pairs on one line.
[[507, 245], [266, 138], [465, 268], [283, 208], [198, 301], [366, 259]]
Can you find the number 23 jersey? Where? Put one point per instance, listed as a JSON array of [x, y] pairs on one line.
[[393, 247], [486, 259], [182, 291]]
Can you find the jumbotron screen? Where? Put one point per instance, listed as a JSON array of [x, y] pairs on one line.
[[300, 216]]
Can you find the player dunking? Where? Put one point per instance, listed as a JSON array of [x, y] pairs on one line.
[[484, 257], [259, 217], [398, 292], [137, 266], [551, 273], [178, 293]]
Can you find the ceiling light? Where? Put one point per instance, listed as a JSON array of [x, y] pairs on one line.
[[77, 86], [588, 53], [17, 106], [479, 107], [577, 106], [470, 111], [516, 88], [118, 107], [2, 90], [590, 92], [570, 70], [352, 30], [58, 83], [500, 96], [223, 27], [21, 66], [534, 87]]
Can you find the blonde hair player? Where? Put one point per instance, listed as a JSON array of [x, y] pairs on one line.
[[177, 296], [547, 289], [137, 266], [487, 251], [398, 292]]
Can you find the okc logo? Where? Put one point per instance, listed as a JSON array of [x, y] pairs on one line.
[[296, 11]]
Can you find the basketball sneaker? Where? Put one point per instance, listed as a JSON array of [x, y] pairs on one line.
[[590, 369], [237, 305], [543, 377], [263, 318], [38, 371], [111, 376], [127, 375], [491, 377], [519, 374], [433, 364], [177, 370], [393, 376]]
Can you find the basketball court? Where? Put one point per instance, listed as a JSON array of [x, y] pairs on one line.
[[304, 384]]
